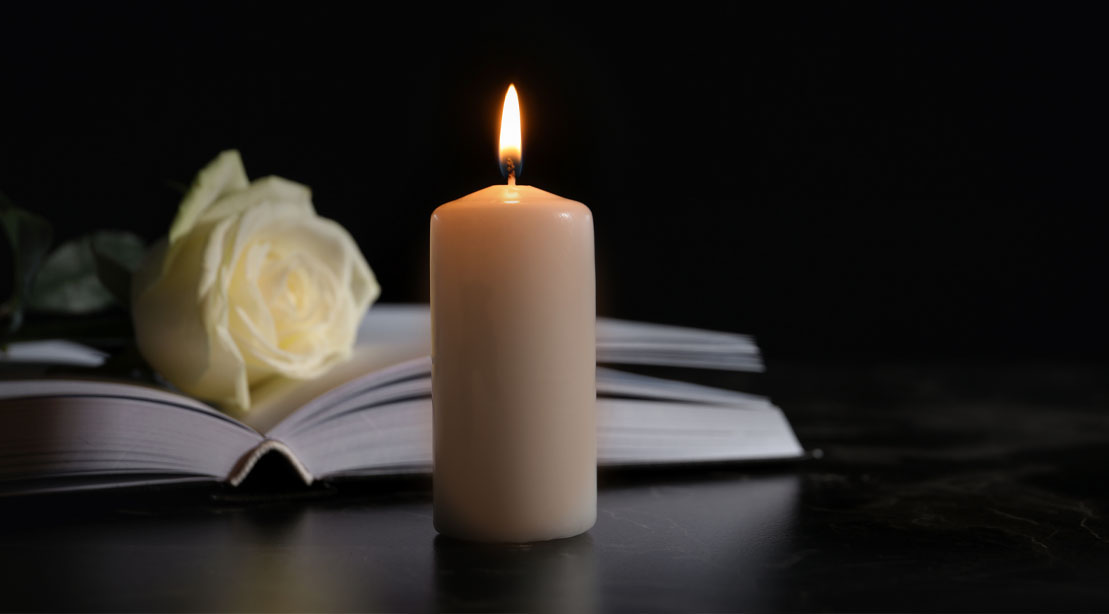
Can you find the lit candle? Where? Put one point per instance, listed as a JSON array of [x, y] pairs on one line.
[[513, 312]]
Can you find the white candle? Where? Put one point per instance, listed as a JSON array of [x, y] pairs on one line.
[[513, 313]]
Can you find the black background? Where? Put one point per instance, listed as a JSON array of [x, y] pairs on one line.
[[883, 181]]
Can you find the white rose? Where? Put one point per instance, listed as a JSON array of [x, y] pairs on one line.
[[249, 284]]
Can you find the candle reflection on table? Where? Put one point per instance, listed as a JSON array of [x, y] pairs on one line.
[[552, 576]]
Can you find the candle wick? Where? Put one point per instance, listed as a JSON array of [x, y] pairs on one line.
[[509, 168]]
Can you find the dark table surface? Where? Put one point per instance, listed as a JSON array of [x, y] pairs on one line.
[[940, 487]]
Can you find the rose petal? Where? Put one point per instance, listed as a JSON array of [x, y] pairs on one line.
[[266, 190], [178, 332], [224, 174]]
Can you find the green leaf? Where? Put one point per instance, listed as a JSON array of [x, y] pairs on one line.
[[117, 256], [88, 274], [67, 282], [30, 237]]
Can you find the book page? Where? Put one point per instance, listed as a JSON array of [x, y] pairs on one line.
[[393, 334], [54, 430], [618, 341], [397, 438], [410, 380], [387, 427], [52, 352], [283, 399]]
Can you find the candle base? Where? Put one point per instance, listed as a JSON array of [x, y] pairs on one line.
[[448, 526]]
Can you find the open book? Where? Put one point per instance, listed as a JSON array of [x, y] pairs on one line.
[[371, 415]]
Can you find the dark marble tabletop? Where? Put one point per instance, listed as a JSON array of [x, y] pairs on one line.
[[939, 487]]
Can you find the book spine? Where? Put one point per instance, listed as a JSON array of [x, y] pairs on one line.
[[246, 463]]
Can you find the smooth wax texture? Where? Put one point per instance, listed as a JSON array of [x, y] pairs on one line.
[[513, 309]]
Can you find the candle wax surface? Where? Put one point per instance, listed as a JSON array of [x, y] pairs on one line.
[[514, 365]]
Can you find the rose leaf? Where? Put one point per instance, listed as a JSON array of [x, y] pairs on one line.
[[67, 282], [29, 237], [117, 256]]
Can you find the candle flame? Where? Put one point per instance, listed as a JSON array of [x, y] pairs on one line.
[[511, 143]]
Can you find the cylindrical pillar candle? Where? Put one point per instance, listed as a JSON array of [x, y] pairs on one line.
[[513, 313]]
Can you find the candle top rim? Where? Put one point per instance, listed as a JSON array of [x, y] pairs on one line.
[[501, 195]]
